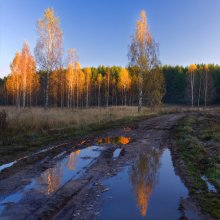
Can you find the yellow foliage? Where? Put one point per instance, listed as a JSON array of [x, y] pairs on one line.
[[124, 79], [23, 79], [192, 68]]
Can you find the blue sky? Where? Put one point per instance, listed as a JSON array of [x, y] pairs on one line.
[[188, 31]]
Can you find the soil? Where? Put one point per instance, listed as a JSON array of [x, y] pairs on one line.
[[81, 198]]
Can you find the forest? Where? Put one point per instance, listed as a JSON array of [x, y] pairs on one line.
[[113, 86]]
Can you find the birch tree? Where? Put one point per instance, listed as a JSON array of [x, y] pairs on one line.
[[108, 82], [99, 80], [13, 82], [88, 74], [124, 83], [206, 70], [140, 52], [71, 76], [29, 79], [23, 80], [48, 50], [192, 71]]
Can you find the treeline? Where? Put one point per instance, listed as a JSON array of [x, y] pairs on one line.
[[77, 87], [107, 86], [200, 81]]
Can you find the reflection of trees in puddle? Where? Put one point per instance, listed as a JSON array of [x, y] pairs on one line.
[[72, 160], [114, 140], [143, 175], [124, 140], [50, 180]]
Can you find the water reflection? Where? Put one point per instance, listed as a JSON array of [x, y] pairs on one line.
[[114, 140], [72, 160], [143, 176], [149, 189], [52, 179]]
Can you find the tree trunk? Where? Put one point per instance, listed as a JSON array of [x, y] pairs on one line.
[[30, 99], [87, 95], [24, 90], [140, 92], [71, 96], [107, 99], [17, 95], [47, 91], [205, 89], [192, 89], [77, 91], [199, 91], [99, 96]]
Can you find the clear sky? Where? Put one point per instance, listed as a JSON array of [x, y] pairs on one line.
[[188, 31]]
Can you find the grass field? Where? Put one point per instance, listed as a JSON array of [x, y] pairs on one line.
[[198, 146], [38, 119], [28, 129]]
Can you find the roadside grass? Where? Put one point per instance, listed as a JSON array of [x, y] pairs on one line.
[[30, 129], [36, 119], [191, 136]]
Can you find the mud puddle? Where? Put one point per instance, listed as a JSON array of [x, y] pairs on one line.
[[10, 164], [114, 140], [210, 186], [148, 189], [117, 153], [7, 165], [69, 167]]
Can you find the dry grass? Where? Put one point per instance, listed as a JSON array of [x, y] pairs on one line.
[[54, 118], [28, 129]]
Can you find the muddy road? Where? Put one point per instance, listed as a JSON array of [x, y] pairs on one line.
[[126, 173]]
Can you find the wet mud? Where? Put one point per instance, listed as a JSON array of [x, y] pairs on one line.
[[79, 180]]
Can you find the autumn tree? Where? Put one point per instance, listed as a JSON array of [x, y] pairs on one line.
[[13, 83], [23, 80], [48, 50], [62, 83], [124, 83], [29, 78], [24, 59], [70, 82], [81, 86], [191, 73], [155, 87], [115, 72], [88, 75], [107, 80], [99, 81], [79, 82], [71, 76], [142, 53], [54, 86]]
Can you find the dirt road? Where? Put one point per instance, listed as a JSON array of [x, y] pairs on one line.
[[66, 182]]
